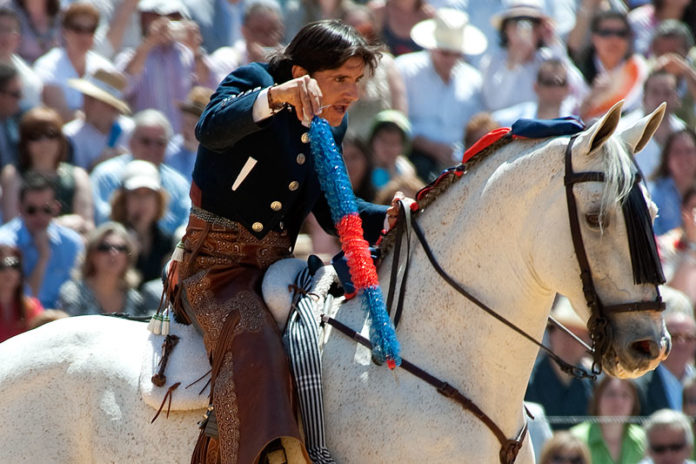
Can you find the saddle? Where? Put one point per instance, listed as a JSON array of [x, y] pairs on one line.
[[183, 383]]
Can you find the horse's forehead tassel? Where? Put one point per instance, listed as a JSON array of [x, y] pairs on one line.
[[335, 184]]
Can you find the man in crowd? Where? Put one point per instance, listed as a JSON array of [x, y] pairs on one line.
[[49, 250], [9, 42], [670, 438], [443, 91], [148, 142]]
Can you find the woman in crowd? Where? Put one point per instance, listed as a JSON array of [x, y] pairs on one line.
[[138, 205], [613, 442], [674, 176], [527, 38], [610, 66], [43, 149], [16, 309], [39, 26], [645, 19], [564, 448], [107, 278], [396, 18], [71, 61]]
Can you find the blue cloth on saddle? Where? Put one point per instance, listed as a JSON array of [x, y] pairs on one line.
[[540, 128]]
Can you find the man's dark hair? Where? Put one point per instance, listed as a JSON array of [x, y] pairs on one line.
[[656, 73], [7, 73], [33, 181], [323, 45], [550, 66], [671, 28]]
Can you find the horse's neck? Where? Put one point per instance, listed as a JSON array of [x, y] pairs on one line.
[[476, 234]]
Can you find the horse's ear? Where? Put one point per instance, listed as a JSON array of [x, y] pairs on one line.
[[639, 134], [593, 138]]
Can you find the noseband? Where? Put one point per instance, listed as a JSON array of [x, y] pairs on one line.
[[598, 324]]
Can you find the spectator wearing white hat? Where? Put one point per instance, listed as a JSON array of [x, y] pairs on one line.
[[138, 204], [104, 130], [528, 38], [162, 69], [151, 135], [439, 74]]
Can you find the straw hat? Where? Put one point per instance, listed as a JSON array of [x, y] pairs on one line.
[[517, 9], [449, 30], [105, 86], [196, 100]]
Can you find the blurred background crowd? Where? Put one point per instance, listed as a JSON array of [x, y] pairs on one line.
[[98, 105]]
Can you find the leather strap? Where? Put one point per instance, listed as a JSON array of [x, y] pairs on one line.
[[509, 448]]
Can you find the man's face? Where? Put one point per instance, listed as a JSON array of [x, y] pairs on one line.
[[669, 44], [552, 87], [149, 143], [444, 61], [38, 208], [667, 445], [682, 329], [97, 112], [9, 36], [10, 97], [339, 88], [661, 88]]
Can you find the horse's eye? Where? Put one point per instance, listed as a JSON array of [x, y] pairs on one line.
[[594, 220]]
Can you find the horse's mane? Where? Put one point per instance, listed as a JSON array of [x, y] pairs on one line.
[[617, 165]]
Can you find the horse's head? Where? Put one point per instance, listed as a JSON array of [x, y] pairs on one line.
[[610, 217]]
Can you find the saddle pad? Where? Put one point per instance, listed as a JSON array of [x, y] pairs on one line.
[[187, 363]]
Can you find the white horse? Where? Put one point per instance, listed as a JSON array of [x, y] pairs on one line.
[[69, 390]]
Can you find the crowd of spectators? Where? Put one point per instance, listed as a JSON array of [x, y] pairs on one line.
[[99, 101]]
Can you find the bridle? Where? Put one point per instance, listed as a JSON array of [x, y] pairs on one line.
[[598, 324]]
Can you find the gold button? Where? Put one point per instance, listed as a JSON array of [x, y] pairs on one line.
[[257, 227], [305, 137], [276, 205], [294, 185], [301, 158]]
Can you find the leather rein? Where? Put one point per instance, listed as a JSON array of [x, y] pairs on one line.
[[598, 324]]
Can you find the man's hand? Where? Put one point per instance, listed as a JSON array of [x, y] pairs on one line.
[[303, 93], [394, 209]]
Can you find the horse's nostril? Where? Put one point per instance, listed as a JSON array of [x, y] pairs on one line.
[[645, 348]]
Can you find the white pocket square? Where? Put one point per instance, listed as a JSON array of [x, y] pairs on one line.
[[246, 169]]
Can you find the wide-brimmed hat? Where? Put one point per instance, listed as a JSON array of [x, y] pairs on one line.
[[163, 7], [105, 86], [141, 174], [449, 30], [519, 9], [196, 100]]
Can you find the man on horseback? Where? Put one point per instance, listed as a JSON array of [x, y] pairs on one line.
[[253, 185]]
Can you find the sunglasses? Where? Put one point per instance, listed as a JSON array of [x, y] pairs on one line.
[[31, 210], [148, 142], [560, 459], [108, 247], [621, 33], [9, 262], [553, 82], [673, 447], [16, 94], [80, 29], [50, 135]]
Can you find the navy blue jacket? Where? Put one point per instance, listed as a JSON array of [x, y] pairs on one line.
[[282, 188]]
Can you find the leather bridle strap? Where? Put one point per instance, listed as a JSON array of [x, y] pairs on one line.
[[402, 228], [509, 448], [575, 371]]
